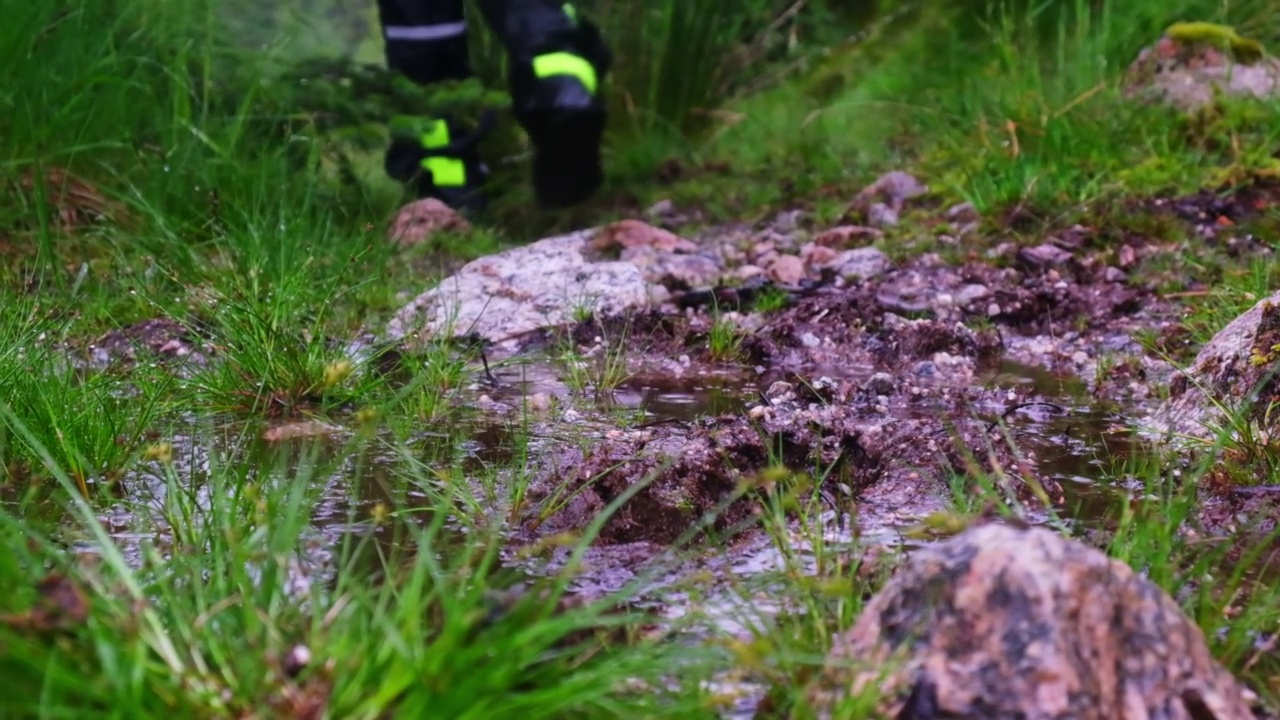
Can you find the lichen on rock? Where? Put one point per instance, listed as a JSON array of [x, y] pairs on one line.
[[1001, 623]]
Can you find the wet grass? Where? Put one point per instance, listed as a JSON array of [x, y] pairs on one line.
[[156, 572]]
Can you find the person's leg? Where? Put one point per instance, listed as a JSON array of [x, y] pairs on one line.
[[557, 64], [426, 41]]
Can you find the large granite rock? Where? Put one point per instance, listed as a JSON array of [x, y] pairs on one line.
[[547, 283], [1000, 623]]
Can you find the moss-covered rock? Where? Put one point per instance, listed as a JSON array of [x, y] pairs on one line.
[[1195, 63]]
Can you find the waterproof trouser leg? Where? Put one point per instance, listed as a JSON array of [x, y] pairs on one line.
[[557, 62], [426, 41], [556, 65]]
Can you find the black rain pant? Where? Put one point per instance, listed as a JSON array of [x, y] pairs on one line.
[[426, 40]]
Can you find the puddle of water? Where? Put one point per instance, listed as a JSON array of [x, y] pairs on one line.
[[1075, 444], [657, 397]]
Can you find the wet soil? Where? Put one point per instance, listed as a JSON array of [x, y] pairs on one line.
[[1016, 370]]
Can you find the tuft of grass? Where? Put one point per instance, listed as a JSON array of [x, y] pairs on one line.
[[428, 621], [600, 369]]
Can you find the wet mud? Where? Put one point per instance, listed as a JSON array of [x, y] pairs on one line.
[[1014, 373]]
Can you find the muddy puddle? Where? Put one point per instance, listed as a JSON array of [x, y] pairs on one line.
[[882, 420], [358, 476]]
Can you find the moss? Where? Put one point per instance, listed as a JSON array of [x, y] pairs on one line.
[[1243, 50]]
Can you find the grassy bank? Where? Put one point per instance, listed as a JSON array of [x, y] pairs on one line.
[[165, 559]]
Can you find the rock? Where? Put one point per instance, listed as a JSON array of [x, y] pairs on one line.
[[297, 430], [1126, 256], [786, 221], [1043, 257], [859, 264], [786, 270], [816, 256], [1233, 369], [547, 283], [881, 383], [886, 197], [628, 234], [968, 294], [660, 210], [1114, 275], [845, 235], [963, 213], [1195, 62], [881, 215], [999, 623], [418, 221], [674, 270]]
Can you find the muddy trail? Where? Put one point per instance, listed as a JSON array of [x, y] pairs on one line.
[[891, 394]]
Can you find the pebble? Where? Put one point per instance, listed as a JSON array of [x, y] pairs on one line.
[[881, 384]]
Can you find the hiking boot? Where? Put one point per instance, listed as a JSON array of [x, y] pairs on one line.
[[443, 163], [557, 99]]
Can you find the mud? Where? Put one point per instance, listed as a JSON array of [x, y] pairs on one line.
[[889, 397]]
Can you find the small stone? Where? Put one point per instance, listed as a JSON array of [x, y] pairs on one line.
[[418, 221], [747, 272], [966, 295], [786, 221], [1114, 275], [993, 310], [1079, 357], [626, 234], [881, 383], [810, 340], [892, 189], [964, 212], [779, 390], [786, 270], [816, 256], [859, 264], [538, 402], [925, 368], [846, 235], [304, 429], [1127, 256], [660, 209], [1044, 256], [881, 215]]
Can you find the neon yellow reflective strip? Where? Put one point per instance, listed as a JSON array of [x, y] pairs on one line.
[[437, 136], [563, 63], [445, 171]]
